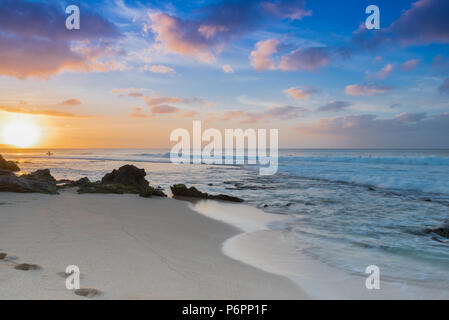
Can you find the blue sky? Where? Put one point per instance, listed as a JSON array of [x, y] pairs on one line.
[[309, 68]]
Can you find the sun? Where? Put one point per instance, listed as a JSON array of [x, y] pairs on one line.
[[20, 133]]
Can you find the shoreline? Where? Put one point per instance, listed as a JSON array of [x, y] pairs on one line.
[[274, 251], [126, 247]]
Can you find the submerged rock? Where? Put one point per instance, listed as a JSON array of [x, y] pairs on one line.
[[8, 165], [182, 191], [9, 182], [441, 231]]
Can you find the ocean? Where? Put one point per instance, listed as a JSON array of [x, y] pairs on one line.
[[345, 208]]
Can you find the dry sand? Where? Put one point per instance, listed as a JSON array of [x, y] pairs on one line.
[[127, 247]]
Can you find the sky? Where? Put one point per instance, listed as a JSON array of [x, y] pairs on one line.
[[136, 70]]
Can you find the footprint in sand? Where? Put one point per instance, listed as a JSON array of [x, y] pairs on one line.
[[88, 292], [27, 267]]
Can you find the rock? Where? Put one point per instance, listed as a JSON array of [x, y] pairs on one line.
[[183, 191], [224, 197], [40, 175], [126, 179], [83, 182], [64, 181], [148, 193], [8, 165], [441, 231], [127, 175], [98, 187], [9, 182]]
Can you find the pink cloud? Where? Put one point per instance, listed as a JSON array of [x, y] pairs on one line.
[[409, 65], [299, 93], [260, 57], [365, 89], [383, 73]]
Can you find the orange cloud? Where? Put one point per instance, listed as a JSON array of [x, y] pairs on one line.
[[51, 113], [71, 102]]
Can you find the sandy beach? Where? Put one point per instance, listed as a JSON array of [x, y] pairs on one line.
[[127, 247]]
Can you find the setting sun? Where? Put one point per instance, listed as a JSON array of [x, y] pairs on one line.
[[20, 133]]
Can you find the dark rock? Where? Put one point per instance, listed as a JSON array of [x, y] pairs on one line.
[[126, 179], [40, 175], [9, 182], [127, 175], [83, 182], [97, 187], [436, 239], [183, 191], [64, 181], [27, 267], [88, 292], [265, 206], [441, 231], [224, 197], [8, 165], [150, 191]]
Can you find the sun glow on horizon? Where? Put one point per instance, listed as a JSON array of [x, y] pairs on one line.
[[20, 133]]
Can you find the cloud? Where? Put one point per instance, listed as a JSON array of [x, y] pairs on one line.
[[71, 102], [425, 22], [293, 10], [383, 73], [409, 65], [300, 93], [405, 130], [35, 111], [260, 57], [205, 36], [366, 89], [159, 69], [280, 113], [138, 113], [34, 41], [227, 68], [163, 108], [334, 106], [159, 104], [411, 117], [444, 88], [305, 59]]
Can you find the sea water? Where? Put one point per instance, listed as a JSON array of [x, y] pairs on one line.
[[346, 208]]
